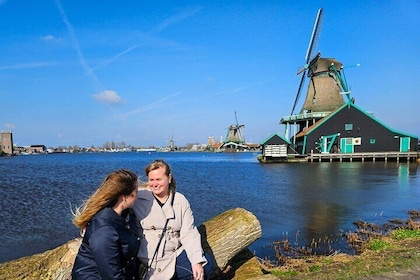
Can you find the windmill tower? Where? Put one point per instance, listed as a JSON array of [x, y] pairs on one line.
[[171, 143], [326, 89], [234, 133]]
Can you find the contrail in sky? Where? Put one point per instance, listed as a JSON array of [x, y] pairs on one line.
[[82, 60], [90, 70], [175, 19], [168, 22], [28, 65], [109, 61], [151, 105]]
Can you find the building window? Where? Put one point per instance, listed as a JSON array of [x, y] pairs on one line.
[[348, 126], [372, 140]]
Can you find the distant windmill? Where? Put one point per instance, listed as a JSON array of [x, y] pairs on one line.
[[326, 87], [171, 143], [234, 133]]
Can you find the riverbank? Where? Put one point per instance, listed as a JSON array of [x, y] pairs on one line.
[[398, 260], [388, 251], [389, 257]]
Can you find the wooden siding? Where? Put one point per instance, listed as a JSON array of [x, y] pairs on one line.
[[275, 151], [374, 136]]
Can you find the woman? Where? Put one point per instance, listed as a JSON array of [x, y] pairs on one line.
[[180, 254], [110, 241]]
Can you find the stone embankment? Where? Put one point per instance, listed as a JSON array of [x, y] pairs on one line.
[[225, 237]]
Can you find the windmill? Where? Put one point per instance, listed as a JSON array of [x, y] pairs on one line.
[[171, 143], [234, 133], [326, 88]]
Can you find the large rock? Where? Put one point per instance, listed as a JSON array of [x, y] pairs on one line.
[[52, 264], [225, 237]]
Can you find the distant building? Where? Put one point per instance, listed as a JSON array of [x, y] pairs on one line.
[[37, 149], [7, 142], [275, 149], [211, 141]]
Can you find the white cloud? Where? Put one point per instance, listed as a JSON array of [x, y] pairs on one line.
[[108, 96], [48, 37]]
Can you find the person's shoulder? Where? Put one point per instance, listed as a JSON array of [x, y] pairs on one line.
[[101, 223], [102, 214], [145, 193], [180, 197]]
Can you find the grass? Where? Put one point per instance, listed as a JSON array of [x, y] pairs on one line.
[[380, 257], [402, 234], [377, 244]]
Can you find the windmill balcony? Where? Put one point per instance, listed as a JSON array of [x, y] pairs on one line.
[[304, 116]]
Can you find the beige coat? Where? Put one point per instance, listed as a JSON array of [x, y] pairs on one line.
[[181, 233]]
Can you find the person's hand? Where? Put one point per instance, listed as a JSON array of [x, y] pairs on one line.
[[198, 271]]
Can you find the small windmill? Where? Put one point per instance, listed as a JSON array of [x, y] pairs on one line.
[[234, 133], [171, 143]]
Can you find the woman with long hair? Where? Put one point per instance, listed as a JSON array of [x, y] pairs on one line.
[[110, 236]]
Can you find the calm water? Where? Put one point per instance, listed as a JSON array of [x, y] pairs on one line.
[[298, 201]]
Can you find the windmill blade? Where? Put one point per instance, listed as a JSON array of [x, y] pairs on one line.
[[313, 45], [236, 118], [302, 82], [313, 42], [301, 69]]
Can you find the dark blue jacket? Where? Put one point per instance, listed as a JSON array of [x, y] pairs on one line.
[[109, 248]]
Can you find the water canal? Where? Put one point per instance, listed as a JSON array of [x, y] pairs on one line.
[[300, 201]]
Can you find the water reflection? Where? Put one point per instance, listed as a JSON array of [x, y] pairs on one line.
[[326, 198]]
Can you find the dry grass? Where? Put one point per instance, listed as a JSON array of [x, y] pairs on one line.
[[379, 252]]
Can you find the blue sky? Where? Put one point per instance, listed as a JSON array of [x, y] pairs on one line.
[[84, 73]]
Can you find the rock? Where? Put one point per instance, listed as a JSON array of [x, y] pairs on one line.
[[224, 237], [52, 264]]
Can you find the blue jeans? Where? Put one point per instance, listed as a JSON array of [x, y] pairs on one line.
[[183, 267]]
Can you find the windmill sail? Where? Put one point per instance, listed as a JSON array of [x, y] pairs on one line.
[[313, 45]]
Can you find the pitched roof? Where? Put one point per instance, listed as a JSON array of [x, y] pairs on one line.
[[272, 135], [313, 127]]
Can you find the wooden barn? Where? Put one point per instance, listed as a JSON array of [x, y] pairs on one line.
[[350, 129]]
